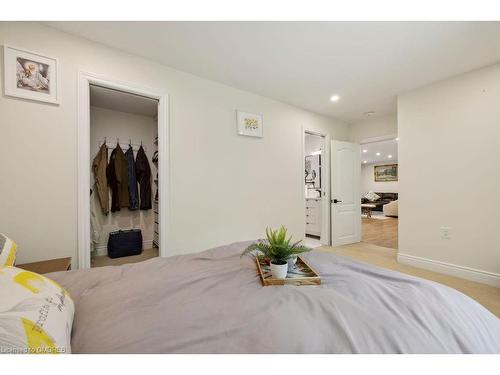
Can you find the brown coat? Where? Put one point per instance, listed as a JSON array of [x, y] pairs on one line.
[[99, 165], [117, 173]]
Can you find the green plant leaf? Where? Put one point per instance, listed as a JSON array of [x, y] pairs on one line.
[[277, 247]]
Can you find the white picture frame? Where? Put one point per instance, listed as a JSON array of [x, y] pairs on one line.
[[30, 75], [250, 124]]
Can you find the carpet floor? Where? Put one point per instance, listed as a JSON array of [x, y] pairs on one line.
[[104, 260]]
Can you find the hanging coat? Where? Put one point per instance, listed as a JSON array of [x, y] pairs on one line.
[[143, 173], [133, 193], [117, 174], [99, 166]]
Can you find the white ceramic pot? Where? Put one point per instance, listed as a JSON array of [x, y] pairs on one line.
[[279, 271], [291, 262]]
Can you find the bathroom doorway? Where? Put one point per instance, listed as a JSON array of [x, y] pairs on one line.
[[316, 190]]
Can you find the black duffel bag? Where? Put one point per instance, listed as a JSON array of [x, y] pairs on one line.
[[124, 243]]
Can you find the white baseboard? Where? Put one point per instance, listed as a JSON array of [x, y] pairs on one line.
[[103, 250], [468, 273]]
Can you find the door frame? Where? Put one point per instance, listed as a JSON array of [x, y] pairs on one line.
[[381, 138], [325, 169], [85, 79]]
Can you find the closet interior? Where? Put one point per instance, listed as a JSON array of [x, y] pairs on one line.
[[124, 177]]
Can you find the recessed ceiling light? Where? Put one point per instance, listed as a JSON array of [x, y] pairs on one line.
[[378, 154], [369, 113], [397, 138], [365, 150], [334, 98], [364, 162], [389, 156]]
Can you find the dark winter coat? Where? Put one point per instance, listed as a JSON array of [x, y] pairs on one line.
[[133, 193], [143, 173], [117, 175]]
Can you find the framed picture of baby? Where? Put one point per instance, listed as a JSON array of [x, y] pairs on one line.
[[30, 75]]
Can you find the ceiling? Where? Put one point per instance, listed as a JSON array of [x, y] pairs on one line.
[[122, 101], [304, 63], [385, 148]]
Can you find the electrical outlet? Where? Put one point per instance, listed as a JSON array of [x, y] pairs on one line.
[[445, 233]]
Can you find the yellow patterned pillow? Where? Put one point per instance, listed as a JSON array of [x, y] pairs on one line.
[[8, 250], [36, 314]]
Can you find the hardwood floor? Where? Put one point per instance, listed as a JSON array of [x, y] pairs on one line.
[[104, 260], [380, 232], [486, 295]]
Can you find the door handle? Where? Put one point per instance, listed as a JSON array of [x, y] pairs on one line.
[[336, 201]]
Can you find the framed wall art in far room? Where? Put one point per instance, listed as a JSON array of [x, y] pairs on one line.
[[385, 173], [250, 124], [30, 75]]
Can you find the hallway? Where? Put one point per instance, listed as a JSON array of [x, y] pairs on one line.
[[381, 232]]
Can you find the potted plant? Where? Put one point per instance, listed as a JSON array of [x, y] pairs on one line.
[[278, 249]]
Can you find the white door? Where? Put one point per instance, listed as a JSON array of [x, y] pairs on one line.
[[345, 193]]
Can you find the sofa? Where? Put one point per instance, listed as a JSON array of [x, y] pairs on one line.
[[391, 209], [384, 199]]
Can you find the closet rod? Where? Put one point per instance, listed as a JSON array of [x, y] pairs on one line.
[[125, 92], [124, 146]]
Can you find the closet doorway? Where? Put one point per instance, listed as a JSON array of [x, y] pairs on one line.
[[122, 141]]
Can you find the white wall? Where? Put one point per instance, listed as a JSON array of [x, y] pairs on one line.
[[450, 175], [114, 124], [374, 128], [368, 181], [224, 187]]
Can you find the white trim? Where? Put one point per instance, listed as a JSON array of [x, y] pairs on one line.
[[463, 272], [381, 138], [103, 250], [325, 169], [164, 214]]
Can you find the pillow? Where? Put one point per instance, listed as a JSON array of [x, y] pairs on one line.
[[8, 249], [371, 196], [36, 314]]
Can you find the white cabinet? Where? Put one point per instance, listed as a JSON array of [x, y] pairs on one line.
[[313, 216]]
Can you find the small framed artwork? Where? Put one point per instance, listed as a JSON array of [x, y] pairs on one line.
[[30, 75], [249, 124], [385, 173]]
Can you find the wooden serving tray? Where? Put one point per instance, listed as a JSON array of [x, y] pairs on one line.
[[302, 274]]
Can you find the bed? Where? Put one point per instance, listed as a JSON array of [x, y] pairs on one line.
[[213, 302]]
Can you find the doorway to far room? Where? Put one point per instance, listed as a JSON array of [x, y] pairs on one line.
[[314, 188], [379, 192]]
